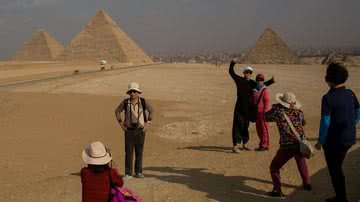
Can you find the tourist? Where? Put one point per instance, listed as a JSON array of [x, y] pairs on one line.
[[289, 145], [138, 116], [340, 112], [261, 100], [95, 178]]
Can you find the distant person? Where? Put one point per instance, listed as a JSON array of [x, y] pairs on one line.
[[289, 145], [340, 112], [261, 98], [245, 86], [95, 178], [138, 115]]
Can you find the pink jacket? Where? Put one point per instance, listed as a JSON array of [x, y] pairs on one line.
[[264, 104]]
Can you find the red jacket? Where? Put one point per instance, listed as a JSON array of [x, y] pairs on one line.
[[96, 186]]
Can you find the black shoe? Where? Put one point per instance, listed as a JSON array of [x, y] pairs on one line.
[[334, 199], [275, 193], [307, 187], [262, 149]]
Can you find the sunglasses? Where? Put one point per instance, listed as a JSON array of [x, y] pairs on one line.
[[132, 91], [248, 72], [257, 80]]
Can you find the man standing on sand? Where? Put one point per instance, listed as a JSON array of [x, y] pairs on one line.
[[138, 116], [245, 86]]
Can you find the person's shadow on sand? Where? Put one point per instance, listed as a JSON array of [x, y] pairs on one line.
[[321, 182], [236, 188], [210, 148], [216, 148], [217, 186]]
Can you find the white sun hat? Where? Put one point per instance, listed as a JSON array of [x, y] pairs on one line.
[[134, 86], [96, 154], [248, 68], [285, 99]]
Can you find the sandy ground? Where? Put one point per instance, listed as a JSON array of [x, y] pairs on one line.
[[45, 125]]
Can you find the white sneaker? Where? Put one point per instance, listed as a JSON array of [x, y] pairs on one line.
[[236, 149], [127, 177]]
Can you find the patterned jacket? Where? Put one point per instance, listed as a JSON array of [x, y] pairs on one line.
[[287, 137]]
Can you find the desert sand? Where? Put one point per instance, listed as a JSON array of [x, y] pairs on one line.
[[46, 123]]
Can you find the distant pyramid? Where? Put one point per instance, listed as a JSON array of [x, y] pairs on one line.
[[270, 48], [102, 39], [40, 46]]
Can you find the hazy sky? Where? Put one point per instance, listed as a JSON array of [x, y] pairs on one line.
[[185, 26]]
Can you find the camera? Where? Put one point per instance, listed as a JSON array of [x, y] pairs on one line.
[[134, 125]]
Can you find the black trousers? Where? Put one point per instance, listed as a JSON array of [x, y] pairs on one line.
[[134, 140], [240, 129], [334, 160]]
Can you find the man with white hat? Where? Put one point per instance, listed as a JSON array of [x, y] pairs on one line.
[[138, 116], [245, 86]]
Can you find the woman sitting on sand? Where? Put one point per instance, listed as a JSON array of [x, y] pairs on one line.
[[95, 178], [289, 145]]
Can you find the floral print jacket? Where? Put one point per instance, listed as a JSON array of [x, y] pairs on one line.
[[287, 137]]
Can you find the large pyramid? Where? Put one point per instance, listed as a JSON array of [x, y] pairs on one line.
[[270, 48], [102, 39], [40, 46]]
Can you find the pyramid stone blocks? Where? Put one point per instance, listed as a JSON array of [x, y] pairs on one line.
[[102, 39], [270, 48], [40, 46]]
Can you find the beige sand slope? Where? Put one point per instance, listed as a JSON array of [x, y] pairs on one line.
[[270, 48], [41, 46], [44, 127], [101, 39]]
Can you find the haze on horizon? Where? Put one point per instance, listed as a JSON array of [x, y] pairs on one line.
[[188, 26]]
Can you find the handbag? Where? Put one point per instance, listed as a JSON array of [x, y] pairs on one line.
[[305, 147], [253, 109], [121, 194]]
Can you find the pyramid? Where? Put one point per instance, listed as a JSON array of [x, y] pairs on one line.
[[270, 48], [102, 39], [40, 46]]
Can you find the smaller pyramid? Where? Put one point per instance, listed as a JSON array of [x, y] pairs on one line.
[[40, 46], [270, 48]]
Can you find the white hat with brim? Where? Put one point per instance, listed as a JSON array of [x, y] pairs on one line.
[[96, 154], [285, 99], [134, 86], [248, 68]]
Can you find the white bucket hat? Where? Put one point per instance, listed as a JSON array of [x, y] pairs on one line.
[[248, 68], [134, 86], [96, 154], [288, 98]]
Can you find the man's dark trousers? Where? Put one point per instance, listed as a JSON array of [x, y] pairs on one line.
[[134, 139], [334, 160], [240, 129]]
